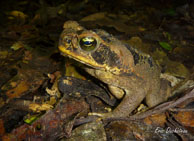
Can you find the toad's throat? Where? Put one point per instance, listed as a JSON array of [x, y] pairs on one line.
[[80, 59]]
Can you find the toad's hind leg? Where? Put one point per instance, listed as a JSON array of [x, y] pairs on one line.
[[157, 96]]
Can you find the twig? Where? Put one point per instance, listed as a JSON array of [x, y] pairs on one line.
[[180, 109]]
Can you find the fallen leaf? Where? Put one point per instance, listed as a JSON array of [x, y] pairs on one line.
[[17, 14], [165, 45], [157, 119], [40, 107], [3, 54], [17, 45], [185, 118], [19, 90], [31, 119], [2, 129]]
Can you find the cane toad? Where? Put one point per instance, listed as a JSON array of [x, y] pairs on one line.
[[130, 75]]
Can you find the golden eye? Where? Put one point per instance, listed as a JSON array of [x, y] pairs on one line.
[[88, 43]]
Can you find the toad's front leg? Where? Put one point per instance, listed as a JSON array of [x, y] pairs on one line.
[[130, 101]]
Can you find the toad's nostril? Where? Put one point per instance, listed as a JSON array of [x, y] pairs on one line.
[[67, 39]]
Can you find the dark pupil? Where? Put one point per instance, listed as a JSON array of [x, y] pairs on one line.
[[88, 43]]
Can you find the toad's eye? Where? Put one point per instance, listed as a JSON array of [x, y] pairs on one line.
[[88, 43]]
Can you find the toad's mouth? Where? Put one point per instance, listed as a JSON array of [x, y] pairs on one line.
[[80, 59]]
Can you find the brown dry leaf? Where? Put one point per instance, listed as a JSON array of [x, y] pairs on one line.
[[51, 125], [173, 68], [102, 15], [157, 119], [52, 101], [102, 19], [185, 118], [40, 107], [137, 43], [3, 54], [17, 17], [177, 69], [27, 56], [17, 45], [185, 53], [94, 17], [2, 102], [53, 91], [54, 76], [135, 130], [17, 14], [18, 90], [2, 130], [89, 131], [13, 84]]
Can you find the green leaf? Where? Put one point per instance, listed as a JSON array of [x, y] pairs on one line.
[[165, 45], [31, 119]]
